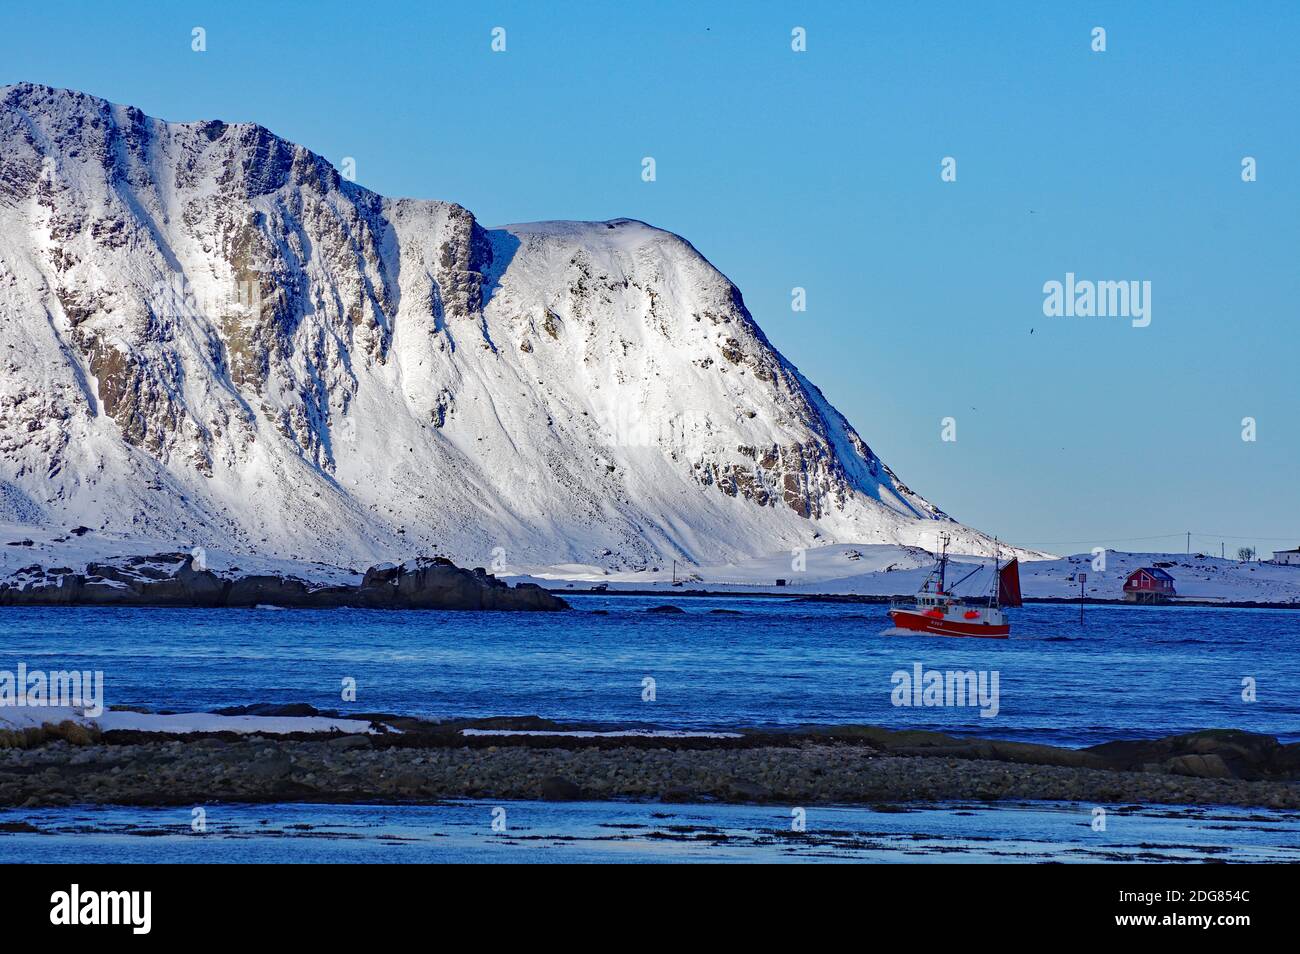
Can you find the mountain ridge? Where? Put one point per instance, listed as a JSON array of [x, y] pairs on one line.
[[210, 335]]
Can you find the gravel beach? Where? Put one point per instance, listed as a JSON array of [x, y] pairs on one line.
[[847, 765]]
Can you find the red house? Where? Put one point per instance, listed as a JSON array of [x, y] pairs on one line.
[[1149, 584]]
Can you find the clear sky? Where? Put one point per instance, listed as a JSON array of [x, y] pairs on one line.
[[821, 169]]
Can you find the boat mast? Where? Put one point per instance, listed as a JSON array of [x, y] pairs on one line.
[[943, 562], [996, 599]]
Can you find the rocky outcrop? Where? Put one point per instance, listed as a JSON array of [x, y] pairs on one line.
[[170, 579], [1210, 753], [438, 584], [146, 769]]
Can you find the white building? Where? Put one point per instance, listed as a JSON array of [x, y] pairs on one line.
[[1287, 557]]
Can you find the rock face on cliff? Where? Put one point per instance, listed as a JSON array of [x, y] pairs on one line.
[[171, 579], [207, 335]]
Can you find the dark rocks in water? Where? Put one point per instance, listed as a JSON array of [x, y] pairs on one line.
[[439, 584], [170, 579], [1211, 753], [266, 590], [1199, 766], [725, 612], [19, 828], [666, 608], [556, 788], [270, 709], [743, 790], [681, 793], [523, 723]]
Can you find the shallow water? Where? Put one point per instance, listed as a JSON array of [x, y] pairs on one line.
[[1128, 671], [625, 832]]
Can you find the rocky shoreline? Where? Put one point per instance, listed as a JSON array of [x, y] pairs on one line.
[[171, 579], [420, 762]]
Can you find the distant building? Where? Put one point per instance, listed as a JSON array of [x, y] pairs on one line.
[[1287, 557], [1149, 584]]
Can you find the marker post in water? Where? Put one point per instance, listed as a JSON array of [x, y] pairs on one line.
[[1083, 578]]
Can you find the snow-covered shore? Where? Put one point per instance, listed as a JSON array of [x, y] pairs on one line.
[[887, 570], [835, 569], [179, 723], [67, 576]]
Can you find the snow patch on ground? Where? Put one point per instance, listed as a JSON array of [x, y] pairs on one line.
[[620, 733], [23, 545], [21, 717]]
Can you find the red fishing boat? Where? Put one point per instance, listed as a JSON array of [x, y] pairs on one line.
[[936, 610]]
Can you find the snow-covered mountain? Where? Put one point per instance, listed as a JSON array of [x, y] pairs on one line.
[[207, 335]]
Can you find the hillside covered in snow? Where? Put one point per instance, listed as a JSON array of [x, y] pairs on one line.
[[209, 338]]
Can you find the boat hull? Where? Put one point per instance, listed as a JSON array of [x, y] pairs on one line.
[[945, 626]]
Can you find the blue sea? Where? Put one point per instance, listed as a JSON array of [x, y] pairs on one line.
[[1124, 672]]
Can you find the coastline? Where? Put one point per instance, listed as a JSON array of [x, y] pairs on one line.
[[531, 759], [476, 594], [173, 580], [802, 597]]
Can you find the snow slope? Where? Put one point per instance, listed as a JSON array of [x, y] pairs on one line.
[[208, 337]]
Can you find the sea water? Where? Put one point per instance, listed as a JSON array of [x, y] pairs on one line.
[[1125, 672]]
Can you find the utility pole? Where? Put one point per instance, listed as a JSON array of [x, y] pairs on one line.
[[1189, 542]]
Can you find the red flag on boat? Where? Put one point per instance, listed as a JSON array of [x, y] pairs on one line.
[[1009, 584]]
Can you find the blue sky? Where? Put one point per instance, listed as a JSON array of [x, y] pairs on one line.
[[821, 170]]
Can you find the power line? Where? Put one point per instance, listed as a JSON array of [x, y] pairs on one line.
[[1163, 536]]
